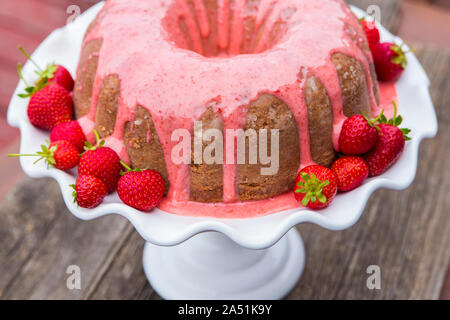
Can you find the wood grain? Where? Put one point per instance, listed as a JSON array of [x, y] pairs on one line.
[[40, 239]]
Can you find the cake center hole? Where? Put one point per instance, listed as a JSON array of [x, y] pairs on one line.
[[225, 31]]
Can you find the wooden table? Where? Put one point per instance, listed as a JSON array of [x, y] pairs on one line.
[[406, 233]]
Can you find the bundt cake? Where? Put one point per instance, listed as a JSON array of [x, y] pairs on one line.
[[149, 68]]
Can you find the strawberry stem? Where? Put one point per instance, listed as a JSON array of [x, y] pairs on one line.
[[98, 143], [128, 169], [395, 121], [97, 135], [395, 108], [44, 75], [47, 153], [373, 122], [19, 71], [125, 165], [29, 58]]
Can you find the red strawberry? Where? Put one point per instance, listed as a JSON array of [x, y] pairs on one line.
[[389, 147], [316, 187], [101, 162], [51, 74], [89, 191], [390, 61], [142, 190], [358, 135], [371, 31], [61, 154], [351, 172], [390, 144], [50, 106], [62, 77], [69, 131]]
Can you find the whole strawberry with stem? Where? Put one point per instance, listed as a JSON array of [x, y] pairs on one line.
[[390, 144], [89, 191], [101, 162], [351, 172], [69, 131], [390, 61], [141, 189], [358, 134], [371, 31], [50, 106], [51, 74], [59, 154], [316, 187]]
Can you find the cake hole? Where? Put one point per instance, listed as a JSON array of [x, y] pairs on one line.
[[212, 31]]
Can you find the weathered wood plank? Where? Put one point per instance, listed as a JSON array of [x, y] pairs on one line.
[[125, 276], [40, 239]]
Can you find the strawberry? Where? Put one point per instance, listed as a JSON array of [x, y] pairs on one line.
[[351, 172], [142, 190], [89, 191], [316, 187], [101, 162], [358, 135], [51, 74], [49, 107], [60, 154], [390, 145], [390, 61], [63, 77], [69, 131], [371, 31]]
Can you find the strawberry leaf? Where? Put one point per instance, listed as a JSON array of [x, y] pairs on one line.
[[74, 193], [128, 169], [306, 199], [400, 57], [405, 132], [312, 187], [322, 198], [397, 120]]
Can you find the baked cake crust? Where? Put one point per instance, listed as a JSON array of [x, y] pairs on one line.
[[282, 65]]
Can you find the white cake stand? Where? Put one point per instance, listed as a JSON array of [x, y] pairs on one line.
[[259, 258]]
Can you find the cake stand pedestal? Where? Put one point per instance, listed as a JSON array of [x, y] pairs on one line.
[[212, 266]]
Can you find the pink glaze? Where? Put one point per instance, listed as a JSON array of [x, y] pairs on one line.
[[159, 70], [389, 94], [281, 203]]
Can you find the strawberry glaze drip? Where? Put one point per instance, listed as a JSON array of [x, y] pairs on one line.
[[176, 84]]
